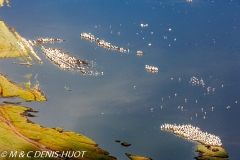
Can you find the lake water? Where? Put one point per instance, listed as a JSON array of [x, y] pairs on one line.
[[199, 38]]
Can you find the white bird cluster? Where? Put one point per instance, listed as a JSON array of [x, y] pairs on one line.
[[151, 68], [101, 42], [140, 53], [144, 25], [64, 61], [210, 89], [30, 44], [21, 46], [88, 36], [194, 81], [48, 40], [192, 133]]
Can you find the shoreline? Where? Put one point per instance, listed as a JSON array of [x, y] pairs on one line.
[[10, 89], [13, 116], [44, 138], [211, 145]]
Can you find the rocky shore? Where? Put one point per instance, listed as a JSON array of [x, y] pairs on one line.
[[207, 152]]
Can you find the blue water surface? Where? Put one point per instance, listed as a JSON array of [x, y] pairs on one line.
[[198, 38]]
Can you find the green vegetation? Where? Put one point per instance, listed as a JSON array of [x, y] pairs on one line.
[[2, 3], [27, 84], [17, 132], [12, 45], [126, 144], [9, 89], [117, 140], [28, 76], [210, 158], [9, 48], [207, 152], [132, 157], [20, 134]]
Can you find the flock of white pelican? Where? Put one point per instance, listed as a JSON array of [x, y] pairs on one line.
[[194, 81], [48, 40], [55, 55], [64, 61], [140, 53], [192, 133], [21, 46], [90, 37], [151, 69], [143, 25], [209, 89], [29, 44], [102, 43]]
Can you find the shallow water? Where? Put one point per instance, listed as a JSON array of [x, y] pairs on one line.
[[109, 107]]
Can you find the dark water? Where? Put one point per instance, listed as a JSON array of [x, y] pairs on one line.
[[203, 42]]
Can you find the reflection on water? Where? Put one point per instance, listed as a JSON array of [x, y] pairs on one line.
[[203, 42]]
